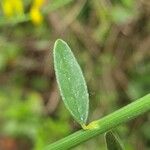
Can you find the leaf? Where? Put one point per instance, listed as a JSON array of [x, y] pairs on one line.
[[112, 141], [56, 4], [121, 15], [71, 82]]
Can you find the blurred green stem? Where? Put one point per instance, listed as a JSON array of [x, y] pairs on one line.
[[112, 120]]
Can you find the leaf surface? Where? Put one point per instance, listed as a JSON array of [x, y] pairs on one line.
[[113, 142], [71, 82]]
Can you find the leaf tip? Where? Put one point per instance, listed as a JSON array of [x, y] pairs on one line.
[[58, 44], [113, 141], [59, 41]]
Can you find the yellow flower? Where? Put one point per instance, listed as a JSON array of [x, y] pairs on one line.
[[36, 16], [38, 3], [12, 7], [15, 8], [35, 13], [18, 6], [7, 8]]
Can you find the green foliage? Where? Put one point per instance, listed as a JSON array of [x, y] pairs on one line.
[[68, 74], [112, 141], [111, 41], [56, 5], [71, 82], [25, 17], [104, 124], [139, 86], [121, 14], [23, 116], [8, 53]]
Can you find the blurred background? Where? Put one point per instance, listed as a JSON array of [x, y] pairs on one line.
[[111, 41]]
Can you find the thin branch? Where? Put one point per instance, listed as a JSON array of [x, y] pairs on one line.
[[112, 120]]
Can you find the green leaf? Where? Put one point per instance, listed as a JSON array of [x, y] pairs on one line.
[[112, 141], [54, 5], [71, 82]]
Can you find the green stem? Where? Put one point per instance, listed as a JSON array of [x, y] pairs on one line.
[[112, 120]]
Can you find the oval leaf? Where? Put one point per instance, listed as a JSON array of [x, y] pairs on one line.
[[112, 141], [71, 82]]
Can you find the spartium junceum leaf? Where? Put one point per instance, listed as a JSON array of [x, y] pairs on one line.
[[113, 142], [71, 82]]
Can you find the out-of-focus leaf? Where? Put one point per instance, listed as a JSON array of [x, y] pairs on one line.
[[56, 5], [120, 14], [128, 3], [71, 82], [112, 141]]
